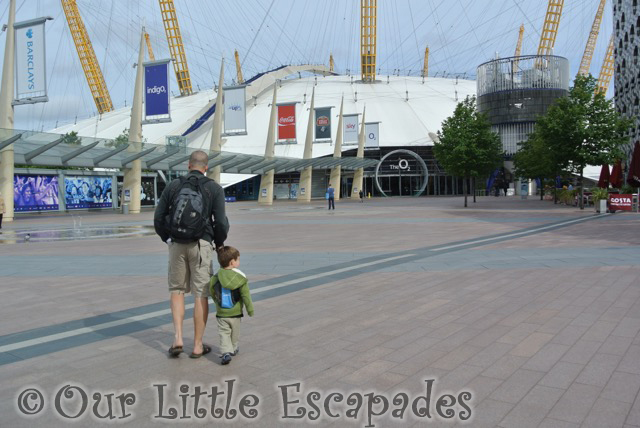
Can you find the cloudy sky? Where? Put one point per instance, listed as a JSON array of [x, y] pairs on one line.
[[461, 34]]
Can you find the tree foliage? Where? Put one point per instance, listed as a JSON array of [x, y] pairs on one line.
[[578, 130], [467, 147], [72, 138]]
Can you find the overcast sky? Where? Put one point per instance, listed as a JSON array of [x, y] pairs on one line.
[[461, 34]]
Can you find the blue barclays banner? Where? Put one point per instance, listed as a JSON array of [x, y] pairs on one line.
[[30, 61], [156, 91], [35, 192], [87, 192]]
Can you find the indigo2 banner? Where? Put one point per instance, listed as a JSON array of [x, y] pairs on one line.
[[156, 91], [35, 192], [87, 192]]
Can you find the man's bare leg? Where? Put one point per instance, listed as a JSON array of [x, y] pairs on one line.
[[200, 315], [177, 310]]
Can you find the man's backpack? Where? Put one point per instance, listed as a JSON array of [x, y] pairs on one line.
[[224, 297], [187, 217]]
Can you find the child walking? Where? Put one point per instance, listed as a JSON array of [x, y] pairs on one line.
[[230, 291]]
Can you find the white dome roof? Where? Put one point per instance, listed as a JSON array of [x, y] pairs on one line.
[[402, 122]]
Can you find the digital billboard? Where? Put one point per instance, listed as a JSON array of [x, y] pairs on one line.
[[35, 192]]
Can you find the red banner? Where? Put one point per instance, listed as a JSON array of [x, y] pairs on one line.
[[619, 203], [287, 122]]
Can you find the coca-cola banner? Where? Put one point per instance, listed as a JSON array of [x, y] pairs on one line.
[[323, 123], [350, 134], [287, 122], [620, 202]]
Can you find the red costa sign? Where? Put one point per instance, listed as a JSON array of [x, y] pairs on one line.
[[322, 121], [620, 202], [287, 122]]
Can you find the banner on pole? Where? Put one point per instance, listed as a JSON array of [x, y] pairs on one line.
[[287, 122], [323, 123], [235, 113], [30, 60], [372, 133], [350, 133], [156, 91]]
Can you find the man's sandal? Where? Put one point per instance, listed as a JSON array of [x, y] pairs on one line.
[[174, 351], [205, 350]]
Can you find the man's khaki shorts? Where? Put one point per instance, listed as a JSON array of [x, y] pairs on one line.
[[190, 267]]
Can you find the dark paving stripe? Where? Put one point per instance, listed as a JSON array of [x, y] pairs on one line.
[[135, 326]]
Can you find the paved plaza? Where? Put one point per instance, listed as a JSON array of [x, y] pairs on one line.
[[520, 313]]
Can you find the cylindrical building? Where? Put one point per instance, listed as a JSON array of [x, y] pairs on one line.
[[514, 91]]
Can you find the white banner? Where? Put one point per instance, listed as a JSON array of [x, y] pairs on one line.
[[31, 85], [372, 133], [235, 114], [350, 134]]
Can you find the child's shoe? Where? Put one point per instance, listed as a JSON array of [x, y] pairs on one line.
[[226, 359]]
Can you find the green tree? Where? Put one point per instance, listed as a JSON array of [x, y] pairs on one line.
[[467, 147], [72, 138], [582, 129], [120, 140]]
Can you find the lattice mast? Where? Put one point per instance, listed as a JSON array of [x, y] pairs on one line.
[[238, 68], [151, 55], [585, 64], [606, 72], [331, 63], [87, 56], [176, 47], [368, 33], [518, 51], [425, 65], [550, 28]]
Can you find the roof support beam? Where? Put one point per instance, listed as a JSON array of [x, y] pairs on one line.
[[109, 154], [157, 159], [221, 161], [66, 158], [131, 158], [250, 164], [40, 150], [10, 141], [263, 167], [236, 162], [179, 161]]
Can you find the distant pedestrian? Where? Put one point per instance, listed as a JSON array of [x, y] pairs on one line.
[[361, 194], [2, 209], [505, 186], [331, 197]]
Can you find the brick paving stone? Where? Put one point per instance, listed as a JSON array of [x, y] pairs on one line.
[[526, 324]]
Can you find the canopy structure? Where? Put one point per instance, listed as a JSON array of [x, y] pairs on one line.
[[55, 150]]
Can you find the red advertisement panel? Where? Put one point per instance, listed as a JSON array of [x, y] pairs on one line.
[[620, 203], [287, 122]]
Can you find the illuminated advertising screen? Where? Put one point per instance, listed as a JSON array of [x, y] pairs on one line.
[[87, 192], [35, 192]]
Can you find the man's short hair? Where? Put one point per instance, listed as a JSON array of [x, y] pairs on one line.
[[198, 160], [226, 254]]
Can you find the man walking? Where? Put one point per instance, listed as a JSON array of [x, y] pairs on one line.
[[331, 198], [190, 217]]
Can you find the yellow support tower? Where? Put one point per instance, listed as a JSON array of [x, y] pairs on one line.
[[425, 66], [585, 64], [87, 57], [550, 28], [176, 47], [606, 72], [146, 38], [238, 68], [368, 29], [331, 63], [516, 60]]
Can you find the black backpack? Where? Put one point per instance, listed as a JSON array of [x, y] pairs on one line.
[[224, 297], [187, 215]]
